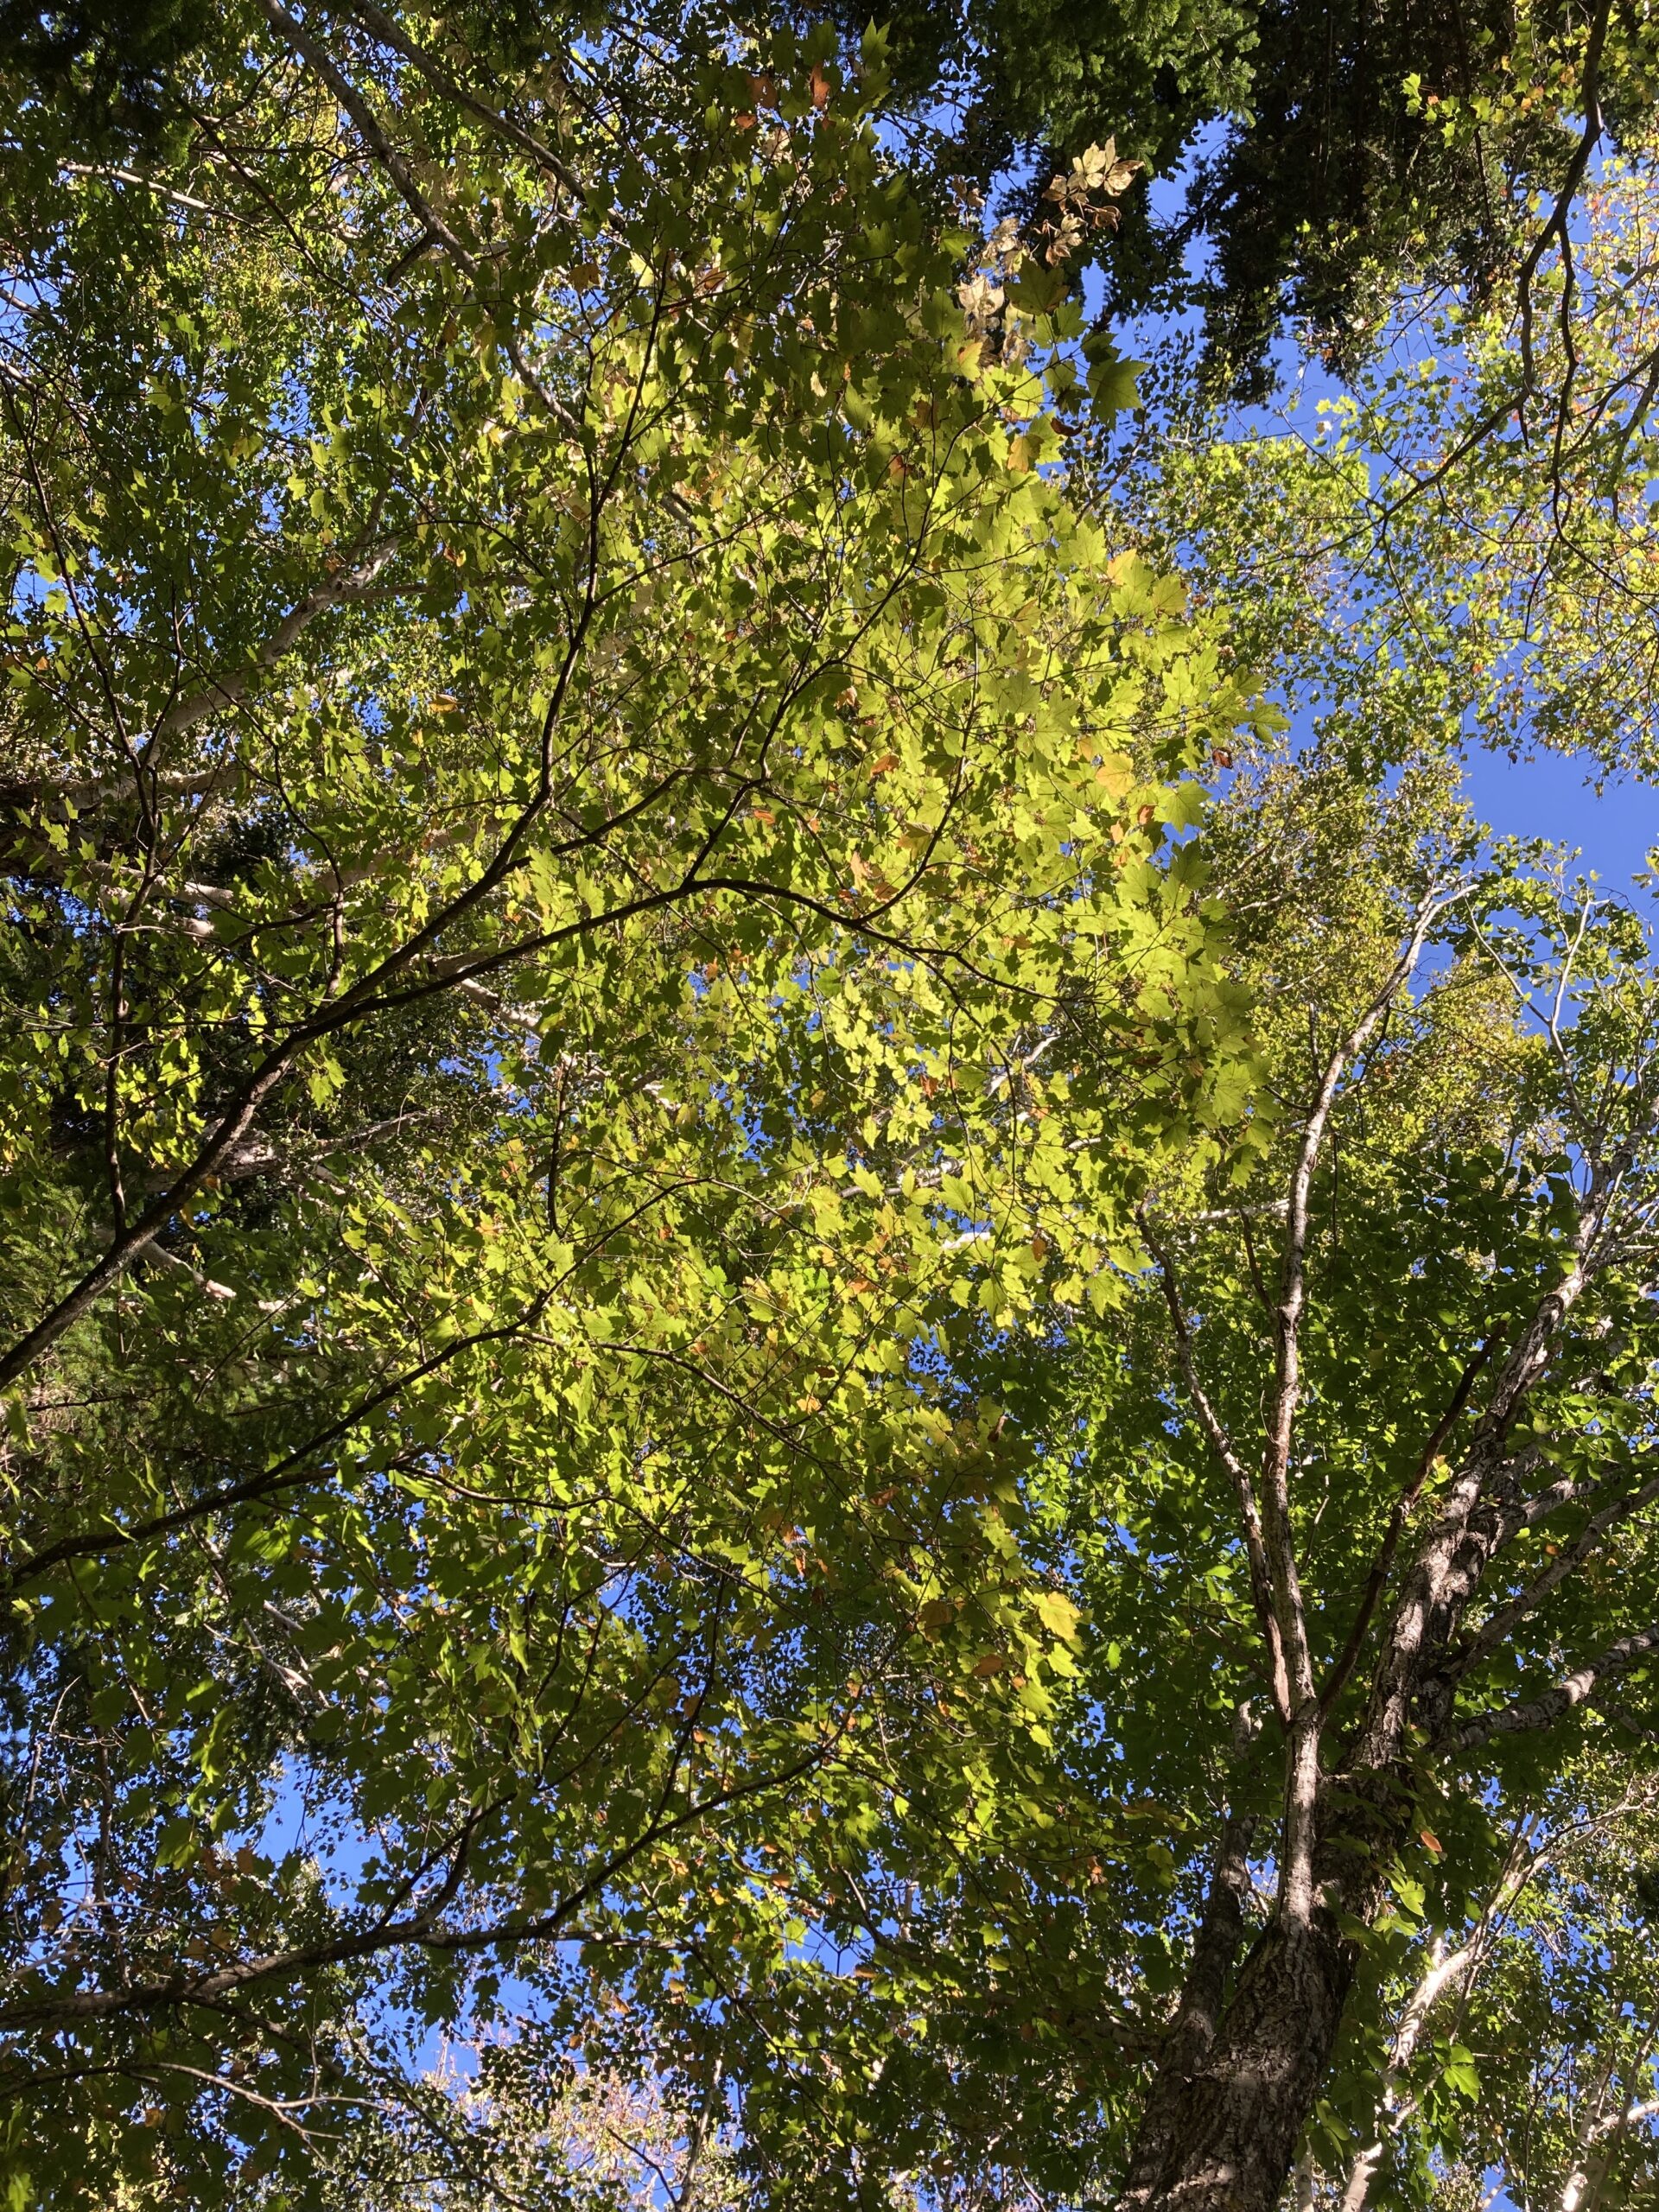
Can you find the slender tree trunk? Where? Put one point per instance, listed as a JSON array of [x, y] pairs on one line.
[[1600, 2135], [1221, 2134], [1446, 1971], [1240, 2074]]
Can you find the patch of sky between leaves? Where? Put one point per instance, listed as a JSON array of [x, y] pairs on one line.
[[1611, 822]]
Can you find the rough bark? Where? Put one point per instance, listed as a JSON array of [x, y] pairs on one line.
[[1223, 2135], [1192, 2031], [1222, 2138]]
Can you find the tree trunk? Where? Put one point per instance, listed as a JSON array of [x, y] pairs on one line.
[[1192, 2031], [1221, 2134], [1236, 2087]]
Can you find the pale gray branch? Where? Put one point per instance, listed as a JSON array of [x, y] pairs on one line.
[[342, 590], [1553, 1704], [1571, 1556]]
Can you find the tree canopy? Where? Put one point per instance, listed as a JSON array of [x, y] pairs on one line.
[[828, 1329]]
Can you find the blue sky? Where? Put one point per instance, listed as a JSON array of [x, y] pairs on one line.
[[1552, 796]]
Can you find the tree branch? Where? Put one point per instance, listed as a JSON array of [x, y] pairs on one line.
[[384, 27], [414, 1932], [290, 1472], [374, 137], [1303, 1764], [1585, 1683], [1221, 1444], [1377, 1580], [1494, 1632]]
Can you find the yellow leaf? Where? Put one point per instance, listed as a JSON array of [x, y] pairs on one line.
[[1057, 1614]]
